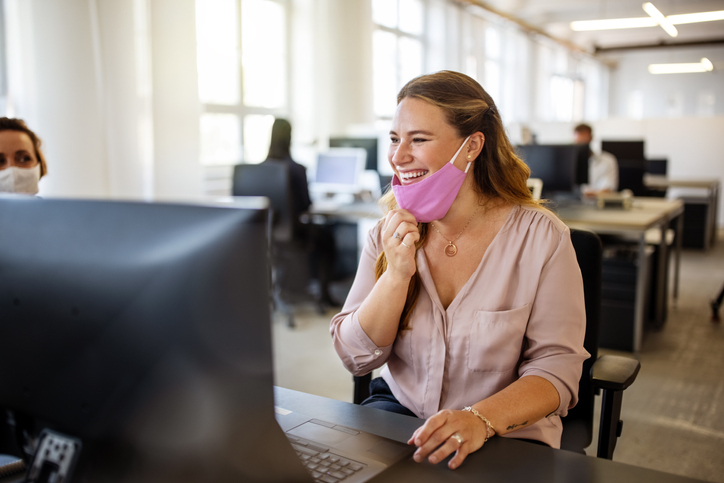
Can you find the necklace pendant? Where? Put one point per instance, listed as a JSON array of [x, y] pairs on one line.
[[451, 250]]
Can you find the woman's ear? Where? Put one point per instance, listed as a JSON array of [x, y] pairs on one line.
[[475, 146]]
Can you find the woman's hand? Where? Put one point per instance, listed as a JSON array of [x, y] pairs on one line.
[[435, 437], [399, 235]]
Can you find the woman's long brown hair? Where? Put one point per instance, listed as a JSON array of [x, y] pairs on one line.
[[498, 172]]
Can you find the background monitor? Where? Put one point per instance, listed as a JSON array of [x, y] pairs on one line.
[[561, 167], [656, 166], [368, 144], [143, 330], [339, 170], [631, 176], [624, 149]]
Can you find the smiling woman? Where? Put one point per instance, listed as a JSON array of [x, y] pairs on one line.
[[22, 163], [481, 320]]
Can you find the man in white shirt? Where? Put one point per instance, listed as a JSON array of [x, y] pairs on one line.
[[602, 167]]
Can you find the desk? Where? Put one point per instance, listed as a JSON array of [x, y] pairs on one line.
[[347, 211], [501, 460], [711, 199], [645, 214]]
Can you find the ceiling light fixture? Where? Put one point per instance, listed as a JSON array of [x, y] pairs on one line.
[[696, 17], [656, 14], [704, 65], [625, 23]]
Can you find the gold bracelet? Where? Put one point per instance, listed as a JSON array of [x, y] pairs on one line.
[[489, 430]]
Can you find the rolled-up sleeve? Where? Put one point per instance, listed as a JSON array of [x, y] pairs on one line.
[[356, 350], [557, 325]]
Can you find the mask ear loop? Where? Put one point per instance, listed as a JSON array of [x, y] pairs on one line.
[[452, 161]]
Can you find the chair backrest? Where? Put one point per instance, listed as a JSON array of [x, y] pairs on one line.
[[270, 179], [578, 425]]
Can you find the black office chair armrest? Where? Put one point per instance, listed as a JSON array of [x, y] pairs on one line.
[[614, 372]]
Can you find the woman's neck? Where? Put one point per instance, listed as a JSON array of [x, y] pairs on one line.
[[467, 205]]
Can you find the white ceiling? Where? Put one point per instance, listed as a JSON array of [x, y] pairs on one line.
[[554, 16]]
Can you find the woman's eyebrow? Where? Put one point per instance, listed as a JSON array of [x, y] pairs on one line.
[[416, 132]]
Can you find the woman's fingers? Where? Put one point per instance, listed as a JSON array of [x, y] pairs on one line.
[[459, 457], [398, 221], [445, 433]]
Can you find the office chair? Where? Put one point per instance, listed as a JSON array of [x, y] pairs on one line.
[[610, 374], [289, 256], [715, 305]]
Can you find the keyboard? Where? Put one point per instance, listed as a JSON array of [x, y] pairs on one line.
[[325, 467]]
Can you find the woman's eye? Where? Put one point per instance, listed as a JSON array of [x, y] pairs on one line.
[[419, 140], [394, 140], [23, 158]]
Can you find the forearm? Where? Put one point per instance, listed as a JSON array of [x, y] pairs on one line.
[[379, 315], [523, 403]]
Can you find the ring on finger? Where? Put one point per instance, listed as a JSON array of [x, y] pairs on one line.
[[397, 235], [458, 438], [404, 244]]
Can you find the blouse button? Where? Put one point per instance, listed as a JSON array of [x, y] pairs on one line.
[[378, 352]]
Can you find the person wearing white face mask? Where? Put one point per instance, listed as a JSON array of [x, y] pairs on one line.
[[468, 290], [22, 163]]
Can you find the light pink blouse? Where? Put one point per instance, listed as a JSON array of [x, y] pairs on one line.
[[521, 313]]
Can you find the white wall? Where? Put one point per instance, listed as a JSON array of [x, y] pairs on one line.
[[638, 94]]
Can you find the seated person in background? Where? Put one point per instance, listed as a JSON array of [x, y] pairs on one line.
[[602, 168], [22, 163], [468, 289], [319, 237], [279, 150]]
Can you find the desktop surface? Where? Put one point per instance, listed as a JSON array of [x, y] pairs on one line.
[[501, 460]]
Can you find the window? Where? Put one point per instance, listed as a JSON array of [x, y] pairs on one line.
[[242, 72], [3, 64], [397, 49]]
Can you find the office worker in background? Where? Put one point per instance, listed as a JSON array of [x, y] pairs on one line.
[[467, 288], [320, 238], [602, 167], [22, 163]]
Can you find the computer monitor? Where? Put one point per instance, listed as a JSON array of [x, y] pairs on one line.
[[339, 170], [368, 144], [142, 331], [631, 176], [624, 149], [561, 167], [657, 166]]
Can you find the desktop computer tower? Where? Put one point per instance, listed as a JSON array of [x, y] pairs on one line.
[[620, 273]]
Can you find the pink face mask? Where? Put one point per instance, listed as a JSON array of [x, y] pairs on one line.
[[430, 199]]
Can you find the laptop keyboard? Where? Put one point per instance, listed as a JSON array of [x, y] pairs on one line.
[[325, 467]]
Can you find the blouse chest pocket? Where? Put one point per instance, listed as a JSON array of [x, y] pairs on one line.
[[496, 339]]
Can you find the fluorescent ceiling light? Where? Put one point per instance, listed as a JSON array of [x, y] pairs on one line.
[[626, 23], [704, 66], [660, 19], [613, 23], [696, 17]]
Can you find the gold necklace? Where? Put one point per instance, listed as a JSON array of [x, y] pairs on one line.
[[450, 249]]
